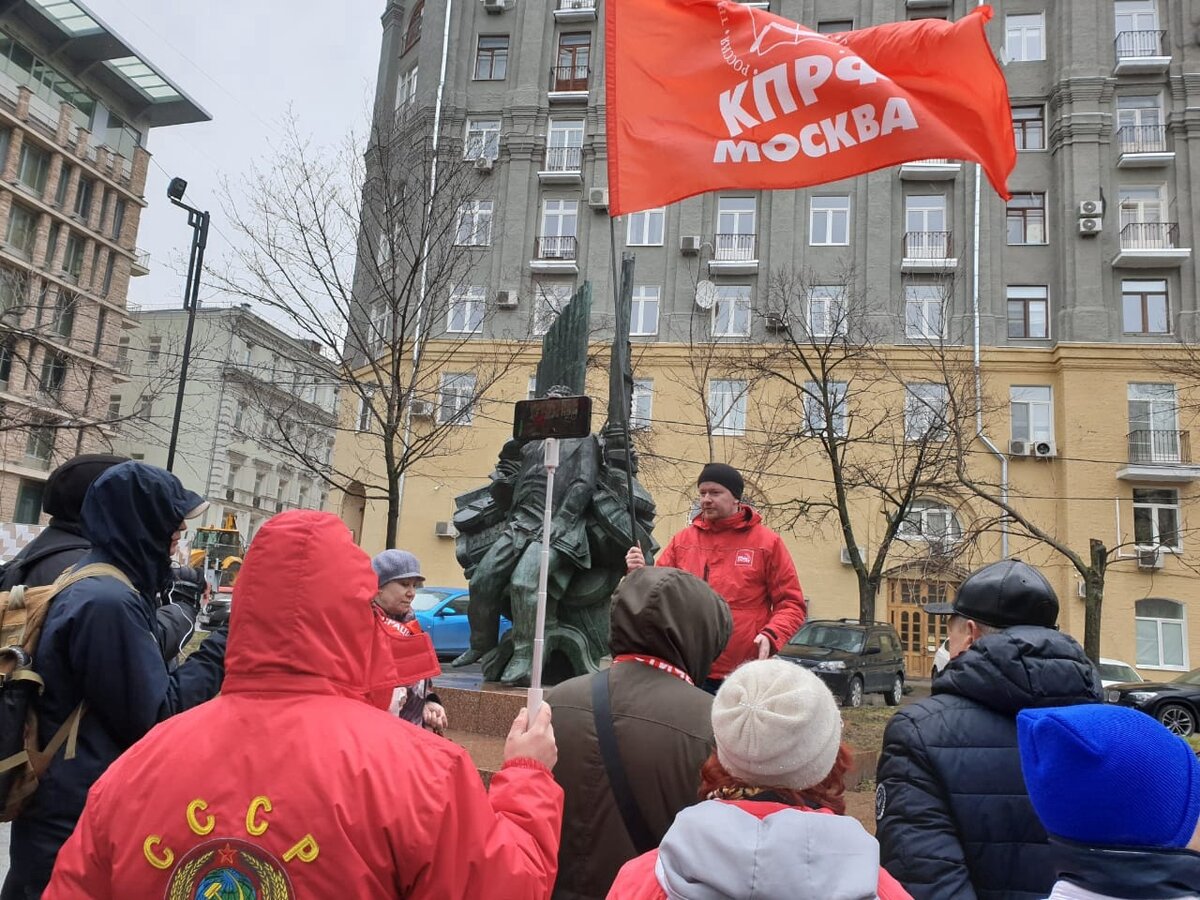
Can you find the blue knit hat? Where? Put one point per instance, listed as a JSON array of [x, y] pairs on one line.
[[1109, 776], [392, 565]]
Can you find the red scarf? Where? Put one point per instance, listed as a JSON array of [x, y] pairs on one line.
[[655, 663], [408, 629]]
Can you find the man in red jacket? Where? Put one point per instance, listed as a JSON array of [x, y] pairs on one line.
[[295, 781], [742, 560]]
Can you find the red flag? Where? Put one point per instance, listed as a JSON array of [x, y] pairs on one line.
[[712, 94]]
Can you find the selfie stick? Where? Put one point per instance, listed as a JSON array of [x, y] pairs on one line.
[[550, 446]]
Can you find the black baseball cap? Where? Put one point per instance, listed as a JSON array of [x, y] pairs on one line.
[[1003, 594]]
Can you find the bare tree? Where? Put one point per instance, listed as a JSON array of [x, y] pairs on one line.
[[368, 253]]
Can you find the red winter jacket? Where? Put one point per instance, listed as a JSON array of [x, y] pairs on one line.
[[295, 782], [748, 565]]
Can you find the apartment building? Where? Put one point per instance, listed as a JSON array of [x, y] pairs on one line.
[[76, 106], [256, 429], [1079, 288]]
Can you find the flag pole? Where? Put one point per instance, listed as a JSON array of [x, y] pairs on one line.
[[623, 303]]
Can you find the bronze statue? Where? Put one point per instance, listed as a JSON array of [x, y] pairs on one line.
[[500, 526]]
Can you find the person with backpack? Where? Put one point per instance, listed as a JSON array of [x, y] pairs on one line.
[[61, 543], [100, 660]]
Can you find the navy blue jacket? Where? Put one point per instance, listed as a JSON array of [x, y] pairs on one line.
[[954, 818], [99, 645]]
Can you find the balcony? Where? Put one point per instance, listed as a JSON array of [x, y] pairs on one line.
[[925, 4], [1151, 245], [1159, 456], [927, 251], [564, 165], [569, 84], [141, 263], [555, 254], [575, 11], [1143, 146], [1141, 53], [930, 170], [734, 254]]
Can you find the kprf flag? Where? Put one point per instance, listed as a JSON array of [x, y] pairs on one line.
[[711, 94]]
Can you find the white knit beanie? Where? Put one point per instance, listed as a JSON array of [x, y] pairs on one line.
[[776, 725]]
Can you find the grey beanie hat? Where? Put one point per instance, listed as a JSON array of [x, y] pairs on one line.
[[392, 565]]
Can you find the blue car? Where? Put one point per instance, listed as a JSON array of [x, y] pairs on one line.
[[442, 612]]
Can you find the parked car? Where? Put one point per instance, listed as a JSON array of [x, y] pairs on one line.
[[941, 658], [1113, 671], [853, 658], [215, 612], [1174, 703], [442, 612]]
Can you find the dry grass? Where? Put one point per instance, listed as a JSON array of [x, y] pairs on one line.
[[863, 728]]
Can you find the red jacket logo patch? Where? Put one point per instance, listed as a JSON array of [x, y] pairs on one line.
[[744, 558]]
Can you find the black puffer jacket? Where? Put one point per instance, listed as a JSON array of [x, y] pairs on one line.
[[954, 820]]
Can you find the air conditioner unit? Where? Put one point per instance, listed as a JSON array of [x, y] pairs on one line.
[[689, 243], [776, 322], [493, 6], [598, 198], [1088, 208], [445, 529], [1090, 226], [484, 163], [1045, 450], [1150, 558], [844, 555], [1018, 448], [422, 409], [506, 299]]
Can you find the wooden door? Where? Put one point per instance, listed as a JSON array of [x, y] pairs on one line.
[[920, 633]]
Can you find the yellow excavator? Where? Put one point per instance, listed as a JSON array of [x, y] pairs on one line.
[[219, 549]]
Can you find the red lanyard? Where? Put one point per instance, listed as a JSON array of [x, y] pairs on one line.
[[655, 662]]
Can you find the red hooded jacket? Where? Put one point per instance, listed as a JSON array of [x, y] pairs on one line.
[[748, 565], [295, 782]]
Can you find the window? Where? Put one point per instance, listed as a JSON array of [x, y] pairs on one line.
[[645, 309], [114, 406], [1137, 28], [1028, 315], [1156, 517], [22, 228], [925, 407], [1142, 206], [64, 314], [1026, 216], [727, 407], [731, 311], [835, 26], [924, 315], [118, 221], [6, 361], [413, 33], [1153, 423], [564, 146], [574, 58], [1025, 37], [456, 398], [925, 235], [466, 310], [735, 228], [551, 300], [483, 139], [83, 198], [818, 404], [29, 502], [829, 222], [1032, 413], [406, 88], [72, 263], [153, 349], [1161, 627], [101, 321], [1144, 307], [33, 166], [491, 57], [239, 414], [474, 224], [827, 311], [1139, 124], [54, 373], [645, 228], [930, 520], [364, 409], [1029, 127], [559, 221], [39, 444], [64, 183], [642, 402], [108, 274]]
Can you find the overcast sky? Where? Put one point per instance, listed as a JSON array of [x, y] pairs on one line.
[[246, 63]]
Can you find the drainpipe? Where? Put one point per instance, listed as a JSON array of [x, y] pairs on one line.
[[979, 433], [424, 277]]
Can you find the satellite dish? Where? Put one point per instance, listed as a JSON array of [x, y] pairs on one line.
[[706, 294]]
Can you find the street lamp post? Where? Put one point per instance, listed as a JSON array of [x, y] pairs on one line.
[[191, 299]]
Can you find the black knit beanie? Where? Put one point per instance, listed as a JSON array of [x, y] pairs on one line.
[[67, 485], [726, 476]]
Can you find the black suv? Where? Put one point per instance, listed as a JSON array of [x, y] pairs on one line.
[[854, 659]]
